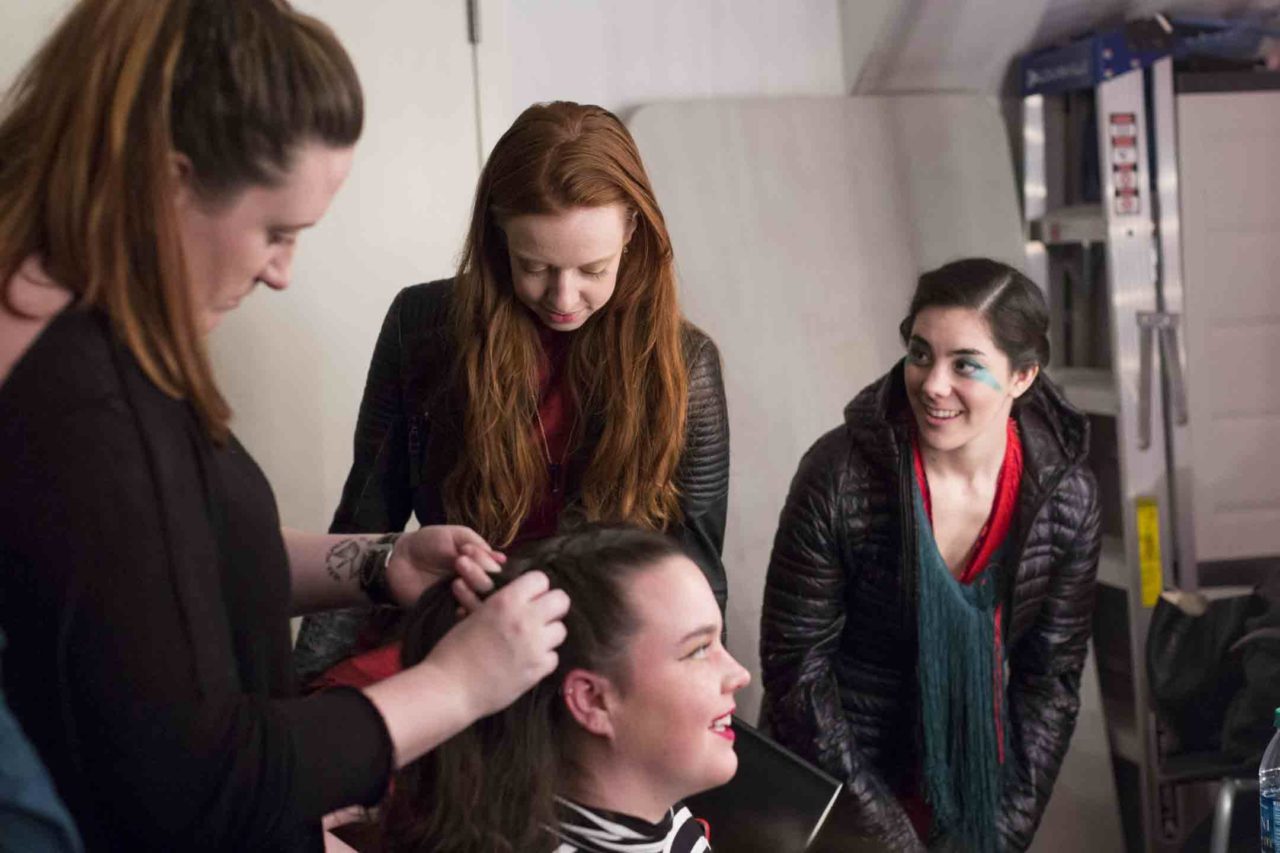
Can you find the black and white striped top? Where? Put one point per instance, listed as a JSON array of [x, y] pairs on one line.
[[585, 830]]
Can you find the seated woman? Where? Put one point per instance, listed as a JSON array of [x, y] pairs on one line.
[[928, 602], [598, 755]]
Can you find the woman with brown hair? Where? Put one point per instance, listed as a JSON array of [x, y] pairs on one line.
[[552, 381], [158, 159], [598, 756], [930, 593]]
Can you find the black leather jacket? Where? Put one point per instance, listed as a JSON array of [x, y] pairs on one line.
[[408, 435], [838, 641]]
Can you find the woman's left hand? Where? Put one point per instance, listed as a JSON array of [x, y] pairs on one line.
[[431, 554]]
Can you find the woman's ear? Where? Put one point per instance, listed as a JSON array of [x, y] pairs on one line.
[[182, 180], [632, 218], [1022, 380], [589, 698]]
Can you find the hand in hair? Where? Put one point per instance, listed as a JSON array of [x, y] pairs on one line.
[[474, 567], [424, 557], [508, 644], [482, 665]]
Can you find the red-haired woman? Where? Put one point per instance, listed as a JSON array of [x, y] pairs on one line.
[[553, 381]]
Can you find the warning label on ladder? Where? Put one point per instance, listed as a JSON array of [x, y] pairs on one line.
[[1123, 133], [1150, 566]]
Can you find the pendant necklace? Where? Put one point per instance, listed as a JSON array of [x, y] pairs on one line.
[[554, 468]]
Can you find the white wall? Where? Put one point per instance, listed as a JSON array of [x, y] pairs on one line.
[[1231, 319], [294, 364], [621, 54], [948, 45], [865, 24], [23, 25]]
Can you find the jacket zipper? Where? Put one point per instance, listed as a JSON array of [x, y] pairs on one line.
[[1007, 597], [910, 572]]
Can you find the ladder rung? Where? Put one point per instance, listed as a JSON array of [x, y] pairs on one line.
[[1085, 223]]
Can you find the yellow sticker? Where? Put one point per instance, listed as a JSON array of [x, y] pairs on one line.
[[1149, 550]]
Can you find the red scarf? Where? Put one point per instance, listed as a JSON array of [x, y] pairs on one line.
[[1003, 508]]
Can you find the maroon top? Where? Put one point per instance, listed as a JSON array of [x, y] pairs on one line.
[[552, 435], [555, 408]]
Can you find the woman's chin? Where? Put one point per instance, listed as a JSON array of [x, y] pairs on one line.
[[726, 767]]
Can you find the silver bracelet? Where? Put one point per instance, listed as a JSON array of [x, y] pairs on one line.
[[373, 570]]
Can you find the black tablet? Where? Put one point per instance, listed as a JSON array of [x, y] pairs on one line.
[[776, 803]]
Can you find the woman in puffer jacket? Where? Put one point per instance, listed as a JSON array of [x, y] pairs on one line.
[[930, 591]]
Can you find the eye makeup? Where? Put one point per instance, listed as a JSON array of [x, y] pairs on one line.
[[918, 351], [920, 354], [984, 376]]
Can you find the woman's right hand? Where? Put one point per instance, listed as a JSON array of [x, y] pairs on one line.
[[506, 645], [481, 666]]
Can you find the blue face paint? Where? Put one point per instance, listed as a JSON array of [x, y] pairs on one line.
[[984, 376]]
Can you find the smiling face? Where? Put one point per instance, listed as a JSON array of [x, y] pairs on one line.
[[564, 265], [960, 385], [670, 718], [232, 244]]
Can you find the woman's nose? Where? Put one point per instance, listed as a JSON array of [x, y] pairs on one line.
[[936, 382], [564, 294], [276, 275], [737, 676]]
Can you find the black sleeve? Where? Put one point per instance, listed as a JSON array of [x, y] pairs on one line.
[[800, 629], [704, 468], [167, 749], [1045, 667], [377, 497]]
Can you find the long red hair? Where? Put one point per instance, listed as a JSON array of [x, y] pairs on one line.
[[626, 365]]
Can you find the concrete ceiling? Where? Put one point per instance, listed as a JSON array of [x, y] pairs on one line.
[[932, 45]]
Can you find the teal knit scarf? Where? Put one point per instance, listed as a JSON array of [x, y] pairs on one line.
[[957, 682]]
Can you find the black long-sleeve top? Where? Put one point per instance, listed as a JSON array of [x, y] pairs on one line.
[[144, 586]]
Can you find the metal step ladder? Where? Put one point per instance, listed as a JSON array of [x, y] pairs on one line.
[[1101, 206]]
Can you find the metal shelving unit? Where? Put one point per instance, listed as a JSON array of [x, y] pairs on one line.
[[1092, 390], [1104, 185], [1092, 173]]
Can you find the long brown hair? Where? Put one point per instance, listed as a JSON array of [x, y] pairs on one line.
[[86, 144], [491, 788], [626, 365]]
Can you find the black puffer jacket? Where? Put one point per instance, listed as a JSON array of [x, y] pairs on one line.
[[838, 638], [408, 436]]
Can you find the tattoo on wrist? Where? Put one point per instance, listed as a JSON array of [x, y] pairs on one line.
[[347, 558], [343, 560]]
